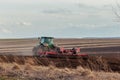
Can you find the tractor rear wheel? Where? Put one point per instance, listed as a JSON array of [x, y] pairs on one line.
[[40, 49]]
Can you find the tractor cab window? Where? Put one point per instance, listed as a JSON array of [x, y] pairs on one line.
[[42, 40], [47, 40], [51, 41]]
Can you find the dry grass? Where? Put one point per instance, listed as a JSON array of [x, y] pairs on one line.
[[30, 72], [16, 67], [28, 67], [2, 68]]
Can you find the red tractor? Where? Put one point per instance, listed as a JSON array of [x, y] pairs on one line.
[[46, 48]]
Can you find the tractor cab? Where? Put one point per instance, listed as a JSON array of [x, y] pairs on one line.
[[47, 41]]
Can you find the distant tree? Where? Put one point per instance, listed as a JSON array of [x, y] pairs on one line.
[[116, 10]]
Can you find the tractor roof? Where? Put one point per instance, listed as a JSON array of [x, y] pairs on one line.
[[47, 37]]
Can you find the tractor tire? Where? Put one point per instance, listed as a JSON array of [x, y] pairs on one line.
[[35, 50], [40, 49]]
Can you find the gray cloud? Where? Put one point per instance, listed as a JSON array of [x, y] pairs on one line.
[[57, 11], [4, 30], [88, 25], [23, 23], [80, 5]]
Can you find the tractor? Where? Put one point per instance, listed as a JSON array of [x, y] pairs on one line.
[[45, 45], [47, 48]]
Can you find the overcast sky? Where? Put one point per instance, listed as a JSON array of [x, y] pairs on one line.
[[58, 18]]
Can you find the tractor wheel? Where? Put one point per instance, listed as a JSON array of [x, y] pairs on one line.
[[36, 50], [39, 52]]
